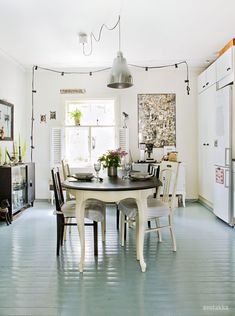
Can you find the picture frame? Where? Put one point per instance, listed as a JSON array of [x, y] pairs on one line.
[[43, 118], [157, 119], [6, 121], [52, 115]]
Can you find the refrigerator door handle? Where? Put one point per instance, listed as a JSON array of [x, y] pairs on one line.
[[227, 156], [226, 179]]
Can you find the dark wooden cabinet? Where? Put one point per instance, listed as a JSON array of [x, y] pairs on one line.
[[17, 184]]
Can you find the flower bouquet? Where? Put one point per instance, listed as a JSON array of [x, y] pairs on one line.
[[112, 160]]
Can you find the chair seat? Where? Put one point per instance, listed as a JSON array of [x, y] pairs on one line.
[[156, 208], [94, 209], [70, 203], [128, 207], [68, 210]]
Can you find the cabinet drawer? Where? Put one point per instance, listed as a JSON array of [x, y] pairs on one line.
[[201, 81], [210, 75], [224, 64], [207, 78]]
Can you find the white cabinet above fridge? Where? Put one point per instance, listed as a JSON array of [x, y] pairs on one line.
[[225, 68], [207, 78]]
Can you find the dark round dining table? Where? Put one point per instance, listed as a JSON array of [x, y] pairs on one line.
[[110, 190]]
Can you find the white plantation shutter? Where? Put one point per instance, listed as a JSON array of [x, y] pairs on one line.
[[57, 146], [124, 139]]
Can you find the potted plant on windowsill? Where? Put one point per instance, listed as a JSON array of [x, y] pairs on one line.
[[76, 115], [112, 160]]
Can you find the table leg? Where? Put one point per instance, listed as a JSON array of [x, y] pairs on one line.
[[137, 238], [142, 206], [80, 210]]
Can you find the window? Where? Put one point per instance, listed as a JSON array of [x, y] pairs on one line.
[[84, 144]]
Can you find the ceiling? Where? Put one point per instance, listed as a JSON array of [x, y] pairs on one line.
[[153, 32]]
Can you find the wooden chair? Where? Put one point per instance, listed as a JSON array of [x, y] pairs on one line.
[[94, 211], [66, 173], [157, 207]]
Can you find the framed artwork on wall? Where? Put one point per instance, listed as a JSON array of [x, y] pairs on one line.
[[52, 115], [157, 119], [6, 120], [43, 118]]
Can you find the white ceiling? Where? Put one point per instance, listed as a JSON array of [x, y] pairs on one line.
[[154, 32]]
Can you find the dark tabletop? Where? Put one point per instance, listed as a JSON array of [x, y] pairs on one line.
[[113, 184]]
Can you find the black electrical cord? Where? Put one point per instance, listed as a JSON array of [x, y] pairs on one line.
[[32, 113], [92, 36], [73, 72], [146, 68]]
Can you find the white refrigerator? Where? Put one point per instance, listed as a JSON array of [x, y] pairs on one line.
[[223, 186]]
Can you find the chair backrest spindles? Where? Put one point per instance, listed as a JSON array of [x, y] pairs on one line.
[[169, 176], [66, 174], [65, 169], [165, 178], [153, 170]]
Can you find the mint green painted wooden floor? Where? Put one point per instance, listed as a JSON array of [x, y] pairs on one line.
[[197, 280]]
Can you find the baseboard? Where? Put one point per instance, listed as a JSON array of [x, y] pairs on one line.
[[205, 203], [191, 200], [42, 200]]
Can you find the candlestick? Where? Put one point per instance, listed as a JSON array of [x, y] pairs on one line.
[[14, 152], [20, 158], [5, 162]]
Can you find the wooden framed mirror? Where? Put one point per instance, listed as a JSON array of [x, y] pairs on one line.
[[6, 120]]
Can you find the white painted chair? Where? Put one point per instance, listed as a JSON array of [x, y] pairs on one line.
[[157, 208], [66, 173], [129, 208], [65, 168]]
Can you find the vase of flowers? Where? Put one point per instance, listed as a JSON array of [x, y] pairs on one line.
[[112, 160], [112, 171]]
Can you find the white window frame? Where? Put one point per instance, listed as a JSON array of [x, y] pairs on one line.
[[66, 101]]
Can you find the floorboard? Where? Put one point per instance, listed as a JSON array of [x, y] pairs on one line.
[[197, 280]]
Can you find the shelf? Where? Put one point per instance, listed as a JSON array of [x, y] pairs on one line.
[[19, 187]]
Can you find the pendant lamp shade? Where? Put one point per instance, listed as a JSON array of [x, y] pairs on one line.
[[120, 76]]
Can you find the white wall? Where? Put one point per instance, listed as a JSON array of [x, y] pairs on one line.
[[48, 98], [13, 90]]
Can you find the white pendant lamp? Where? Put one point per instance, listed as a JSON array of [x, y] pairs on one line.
[[120, 76]]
